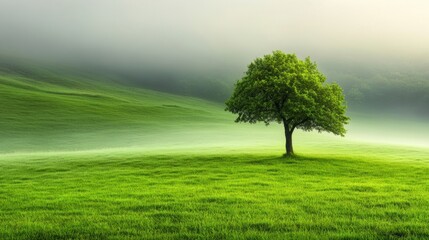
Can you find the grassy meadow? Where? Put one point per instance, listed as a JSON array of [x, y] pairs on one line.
[[91, 159], [212, 195]]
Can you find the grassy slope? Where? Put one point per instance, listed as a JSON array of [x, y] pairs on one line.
[[199, 183], [64, 113]]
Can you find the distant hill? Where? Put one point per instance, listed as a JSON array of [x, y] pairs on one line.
[[41, 108]]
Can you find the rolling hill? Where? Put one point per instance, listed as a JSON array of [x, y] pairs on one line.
[[46, 111]]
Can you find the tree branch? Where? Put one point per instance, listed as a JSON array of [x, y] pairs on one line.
[[299, 123], [282, 102], [279, 107]]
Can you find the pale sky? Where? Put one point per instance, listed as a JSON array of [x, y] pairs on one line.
[[198, 33]]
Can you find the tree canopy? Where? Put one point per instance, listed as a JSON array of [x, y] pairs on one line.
[[281, 88]]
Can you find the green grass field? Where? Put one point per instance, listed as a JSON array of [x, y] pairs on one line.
[[91, 159], [207, 195]]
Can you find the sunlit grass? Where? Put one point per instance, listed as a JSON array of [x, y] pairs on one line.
[[213, 195]]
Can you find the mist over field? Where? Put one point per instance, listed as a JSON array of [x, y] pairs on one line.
[[201, 48]]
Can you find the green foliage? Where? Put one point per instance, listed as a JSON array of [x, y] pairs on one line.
[[282, 88]]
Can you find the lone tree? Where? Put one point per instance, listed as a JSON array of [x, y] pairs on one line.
[[282, 88]]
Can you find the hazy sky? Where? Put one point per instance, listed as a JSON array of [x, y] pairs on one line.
[[213, 34]]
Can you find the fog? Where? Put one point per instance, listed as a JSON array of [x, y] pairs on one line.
[[193, 47], [213, 34]]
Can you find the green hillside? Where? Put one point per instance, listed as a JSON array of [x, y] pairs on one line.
[[50, 111]]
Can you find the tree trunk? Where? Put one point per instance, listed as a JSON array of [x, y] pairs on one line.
[[288, 136]]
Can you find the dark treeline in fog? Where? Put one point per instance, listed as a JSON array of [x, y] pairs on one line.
[[398, 92]]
